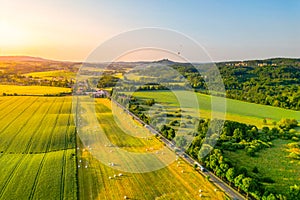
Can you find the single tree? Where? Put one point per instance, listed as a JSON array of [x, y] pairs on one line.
[[238, 181], [230, 174]]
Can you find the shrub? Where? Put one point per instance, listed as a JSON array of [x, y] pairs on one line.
[[255, 170], [267, 180], [250, 152], [294, 155]]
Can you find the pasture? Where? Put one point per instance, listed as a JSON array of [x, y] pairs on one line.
[[240, 111], [272, 163], [37, 148], [97, 180]]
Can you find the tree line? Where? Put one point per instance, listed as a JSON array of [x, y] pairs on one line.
[[238, 136]]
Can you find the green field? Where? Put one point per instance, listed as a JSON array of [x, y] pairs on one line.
[[273, 163], [171, 182], [32, 90], [38, 157], [240, 111], [37, 148]]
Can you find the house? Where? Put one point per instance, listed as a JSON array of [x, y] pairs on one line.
[[99, 94]]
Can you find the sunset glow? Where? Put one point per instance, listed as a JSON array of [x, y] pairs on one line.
[[11, 35], [71, 30]]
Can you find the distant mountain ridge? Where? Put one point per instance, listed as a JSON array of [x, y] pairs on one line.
[[23, 58], [166, 61]]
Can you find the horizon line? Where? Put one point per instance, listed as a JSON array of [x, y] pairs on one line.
[[124, 61]]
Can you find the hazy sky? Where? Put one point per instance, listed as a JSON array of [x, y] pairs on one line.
[[227, 29]]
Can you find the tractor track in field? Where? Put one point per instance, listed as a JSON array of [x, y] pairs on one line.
[[77, 140], [36, 177], [24, 124], [20, 161], [43, 160], [6, 107], [5, 127], [63, 173], [3, 102], [36, 130]]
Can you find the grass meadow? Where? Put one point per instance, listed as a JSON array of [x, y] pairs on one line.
[[240, 111], [272, 163]]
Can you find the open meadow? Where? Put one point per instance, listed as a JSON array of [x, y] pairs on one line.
[[240, 111], [271, 163]]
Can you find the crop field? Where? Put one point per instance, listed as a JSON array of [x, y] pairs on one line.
[[97, 180], [51, 74], [37, 148], [38, 156], [272, 163], [32, 90], [244, 112]]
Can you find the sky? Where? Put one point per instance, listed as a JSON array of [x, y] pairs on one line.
[[226, 29]]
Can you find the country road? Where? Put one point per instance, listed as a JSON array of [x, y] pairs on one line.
[[232, 193], [217, 181]]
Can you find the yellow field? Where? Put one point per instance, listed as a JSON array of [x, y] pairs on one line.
[[32, 90], [50, 74]]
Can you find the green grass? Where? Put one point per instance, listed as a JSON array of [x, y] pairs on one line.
[[37, 150], [37, 145], [32, 90], [271, 162], [166, 183], [249, 113]]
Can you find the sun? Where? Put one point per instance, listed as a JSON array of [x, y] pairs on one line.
[[11, 35]]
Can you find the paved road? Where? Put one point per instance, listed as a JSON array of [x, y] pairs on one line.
[[232, 193], [217, 181]]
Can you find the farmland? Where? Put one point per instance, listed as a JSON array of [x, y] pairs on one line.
[[32, 90], [167, 183], [37, 148], [244, 112], [52, 74]]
